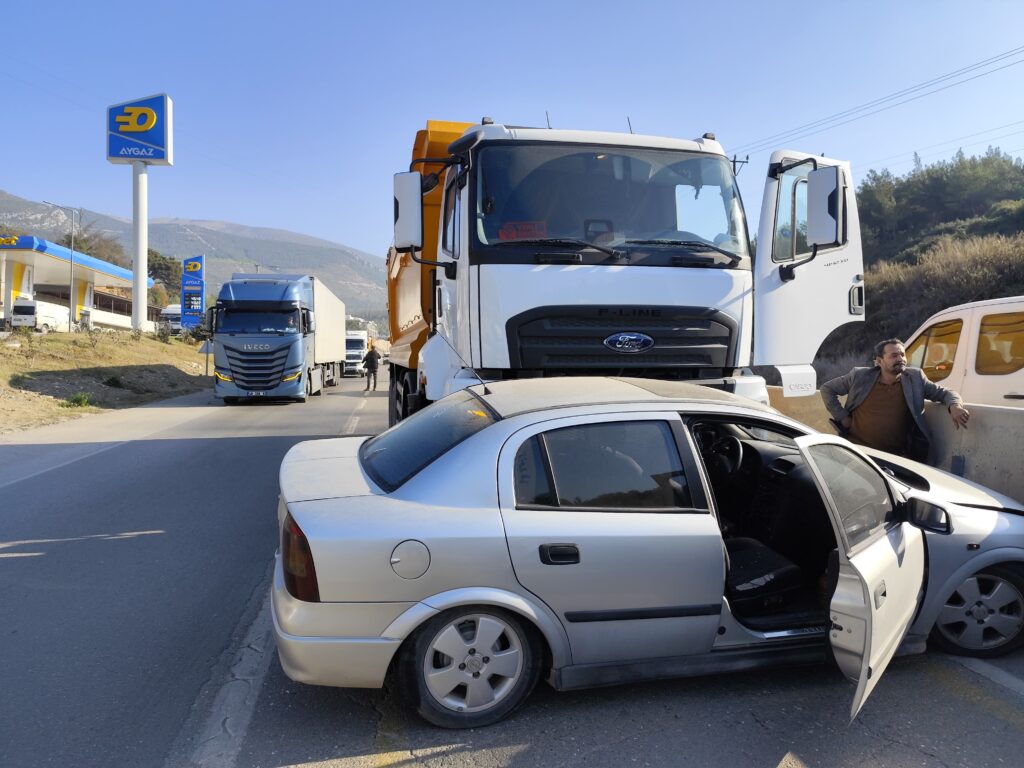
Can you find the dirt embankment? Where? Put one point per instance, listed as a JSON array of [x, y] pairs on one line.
[[45, 379]]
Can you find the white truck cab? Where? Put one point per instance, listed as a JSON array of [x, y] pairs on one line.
[[170, 318], [976, 349], [575, 252]]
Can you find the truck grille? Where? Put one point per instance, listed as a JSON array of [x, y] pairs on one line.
[[572, 338], [257, 370]]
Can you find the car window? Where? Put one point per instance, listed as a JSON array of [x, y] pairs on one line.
[[860, 493], [1000, 344], [933, 351], [394, 456], [620, 465]]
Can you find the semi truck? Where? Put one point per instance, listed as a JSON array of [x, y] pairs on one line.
[[170, 318], [356, 345], [276, 336], [524, 252]]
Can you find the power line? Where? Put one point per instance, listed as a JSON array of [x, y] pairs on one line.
[[951, 141], [826, 122]]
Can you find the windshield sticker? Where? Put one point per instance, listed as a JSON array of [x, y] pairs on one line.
[[522, 230]]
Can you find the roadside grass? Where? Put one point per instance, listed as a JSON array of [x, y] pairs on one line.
[[57, 376]]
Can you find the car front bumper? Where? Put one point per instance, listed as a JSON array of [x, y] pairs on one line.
[[312, 651]]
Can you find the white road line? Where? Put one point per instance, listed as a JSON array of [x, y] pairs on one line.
[[353, 420], [221, 736], [43, 471], [992, 672]]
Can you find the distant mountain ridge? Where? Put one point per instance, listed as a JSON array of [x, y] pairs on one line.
[[358, 278]]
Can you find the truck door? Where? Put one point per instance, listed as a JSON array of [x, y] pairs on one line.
[[803, 292], [881, 561]]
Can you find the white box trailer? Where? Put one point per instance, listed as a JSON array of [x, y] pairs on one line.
[[329, 336]]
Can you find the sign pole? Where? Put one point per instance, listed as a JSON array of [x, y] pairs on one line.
[[140, 219]]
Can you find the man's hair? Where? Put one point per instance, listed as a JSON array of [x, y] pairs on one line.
[[880, 346]]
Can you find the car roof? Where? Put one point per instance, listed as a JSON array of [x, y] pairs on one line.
[[510, 398]]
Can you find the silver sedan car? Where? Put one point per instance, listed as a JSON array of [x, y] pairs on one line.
[[594, 531]]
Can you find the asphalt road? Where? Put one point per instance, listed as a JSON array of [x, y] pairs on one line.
[[135, 549], [134, 562]]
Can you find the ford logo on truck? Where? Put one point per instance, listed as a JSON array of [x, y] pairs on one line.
[[629, 343]]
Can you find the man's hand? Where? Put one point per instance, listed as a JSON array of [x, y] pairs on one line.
[[847, 422], [959, 415]]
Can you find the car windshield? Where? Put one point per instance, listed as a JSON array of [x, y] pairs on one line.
[[258, 321], [396, 455], [609, 196]]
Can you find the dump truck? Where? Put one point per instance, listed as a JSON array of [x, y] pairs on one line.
[[276, 336], [525, 252]]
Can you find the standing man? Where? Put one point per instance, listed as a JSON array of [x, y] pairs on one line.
[[884, 406], [370, 361]]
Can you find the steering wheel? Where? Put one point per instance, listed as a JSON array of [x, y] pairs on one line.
[[728, 454]]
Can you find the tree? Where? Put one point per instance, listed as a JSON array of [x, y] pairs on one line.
[[166, 270], [158, 296], [98, 244]]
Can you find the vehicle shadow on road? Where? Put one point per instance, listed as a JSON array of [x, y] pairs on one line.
[[925, 713]]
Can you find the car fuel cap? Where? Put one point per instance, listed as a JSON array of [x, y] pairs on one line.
[[410, 559]]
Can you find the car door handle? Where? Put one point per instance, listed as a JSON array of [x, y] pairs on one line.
[[880, 595], [559, 554], [1013, 396]]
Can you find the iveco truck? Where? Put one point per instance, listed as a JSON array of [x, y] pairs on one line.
[[276, 336], [523, 252]]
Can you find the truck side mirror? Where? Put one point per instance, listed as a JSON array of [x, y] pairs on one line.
[[825, 207], [408, 212], [309, 320], [210, 319]]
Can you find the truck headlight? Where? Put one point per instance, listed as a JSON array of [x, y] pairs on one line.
[[291, 376], [221, 376]]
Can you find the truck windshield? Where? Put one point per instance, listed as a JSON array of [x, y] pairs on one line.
[[258, 321], [609, 196], [354, 345]]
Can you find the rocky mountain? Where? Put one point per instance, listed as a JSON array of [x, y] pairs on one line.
[[358, 278]]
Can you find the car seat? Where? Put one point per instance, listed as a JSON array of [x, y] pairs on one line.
[[757, 578]]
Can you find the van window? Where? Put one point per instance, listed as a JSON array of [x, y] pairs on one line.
[[933, 351], [22, 309], [1000, 344]]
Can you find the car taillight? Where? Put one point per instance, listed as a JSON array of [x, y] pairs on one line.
[[297, 562]]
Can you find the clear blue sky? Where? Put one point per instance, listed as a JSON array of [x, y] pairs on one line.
[[295, 114]]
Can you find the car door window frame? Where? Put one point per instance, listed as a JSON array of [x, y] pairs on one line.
[[847, 551], [511, 447]]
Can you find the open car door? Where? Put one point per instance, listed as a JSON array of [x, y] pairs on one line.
[[809, 270], [880, 556]]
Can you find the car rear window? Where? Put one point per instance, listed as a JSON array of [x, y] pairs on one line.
[[394, 456]]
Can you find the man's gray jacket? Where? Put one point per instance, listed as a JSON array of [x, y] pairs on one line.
[[857, 384]]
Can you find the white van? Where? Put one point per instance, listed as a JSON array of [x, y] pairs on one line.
[[44, 317], [976, 349], [170, 317]]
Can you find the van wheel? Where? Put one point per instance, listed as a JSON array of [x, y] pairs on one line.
[[471, 666], [44, 329]]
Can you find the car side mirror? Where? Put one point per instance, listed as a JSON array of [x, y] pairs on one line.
[[825, 207], [928, 517], [408, 211]]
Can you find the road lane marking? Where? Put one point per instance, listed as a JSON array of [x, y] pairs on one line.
[[353, 420], [64, 464], [992, 672], [222, 735]]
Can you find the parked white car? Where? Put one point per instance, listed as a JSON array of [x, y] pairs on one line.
[[593, 531]]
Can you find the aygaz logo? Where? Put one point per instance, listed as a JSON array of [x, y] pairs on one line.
[[140, 130]]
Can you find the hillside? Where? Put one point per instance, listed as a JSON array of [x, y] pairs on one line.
[[357, 277]]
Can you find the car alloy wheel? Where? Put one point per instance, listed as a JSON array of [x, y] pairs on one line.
[[471, 667], [985, 615]]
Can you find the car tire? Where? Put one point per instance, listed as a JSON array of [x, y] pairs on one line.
[[984, 617], [443, 671]]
